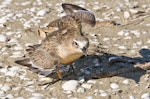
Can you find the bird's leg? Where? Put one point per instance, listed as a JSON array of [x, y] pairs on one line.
[[59, 73], [71, 69]]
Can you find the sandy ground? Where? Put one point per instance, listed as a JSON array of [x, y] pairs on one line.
[[128, 40]]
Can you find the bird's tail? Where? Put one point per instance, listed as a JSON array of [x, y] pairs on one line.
[[24, 62]]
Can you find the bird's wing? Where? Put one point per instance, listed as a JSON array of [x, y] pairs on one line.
[[70, 8], [73, 20]]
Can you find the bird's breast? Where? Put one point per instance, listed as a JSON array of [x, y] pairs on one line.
[[70, 58]]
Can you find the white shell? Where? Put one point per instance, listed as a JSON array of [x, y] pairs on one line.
[[6, 1], [91, 81], [126, 14], [25, 3], [3, 38], [89, 97], [14, 68], [3, 20], [131, 97], [10, 73], [122, 47], [42, 12], [70, 85], [10, 96], [133, 11], [106, 39], [17, 54], [121, 33], [20, 98], [80, 90], [18, 48], [145, 96], [37, 94], [125, 81], [114, 86], [1, 85], [36, 97], [87, 86], [9, 33], [103, 94], [2, 93], [3, 70], [5, 88]]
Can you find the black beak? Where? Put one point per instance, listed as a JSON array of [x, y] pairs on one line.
[[84, 51]]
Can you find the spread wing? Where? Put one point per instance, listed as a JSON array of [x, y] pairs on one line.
[[70, 8], [74, 20], [75, 16]]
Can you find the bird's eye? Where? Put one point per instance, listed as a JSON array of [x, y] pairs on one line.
[[75, 44]]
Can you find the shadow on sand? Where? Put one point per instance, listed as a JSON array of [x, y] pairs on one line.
[[108, 63]]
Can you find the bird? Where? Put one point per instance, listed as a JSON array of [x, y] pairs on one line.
[[63, 45]]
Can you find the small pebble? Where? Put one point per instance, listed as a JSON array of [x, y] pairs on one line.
[[125, 81], [18, 48], [25, 3], [103, 94], [118, 9], [122, 47], [121, 33], [3, 38], [7, 2], [13, 40], [10, 96], [14, 68], [20, 98], [81, 79], [126, 14], [42, 12], [131, 97], [17, 54], [136, 33], [106, 39], [37, 94], [3, 20], [10, 73], [114, 86], [9, 33], [91, 81], [27, 25], [80, 90], [68, 92], [145, 96], [70, 85], [148, 24], [1, 85], [2, 93], [36, 97], [87, 86], [3, 70], [5, 88], [133, 11], [89, 97]]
